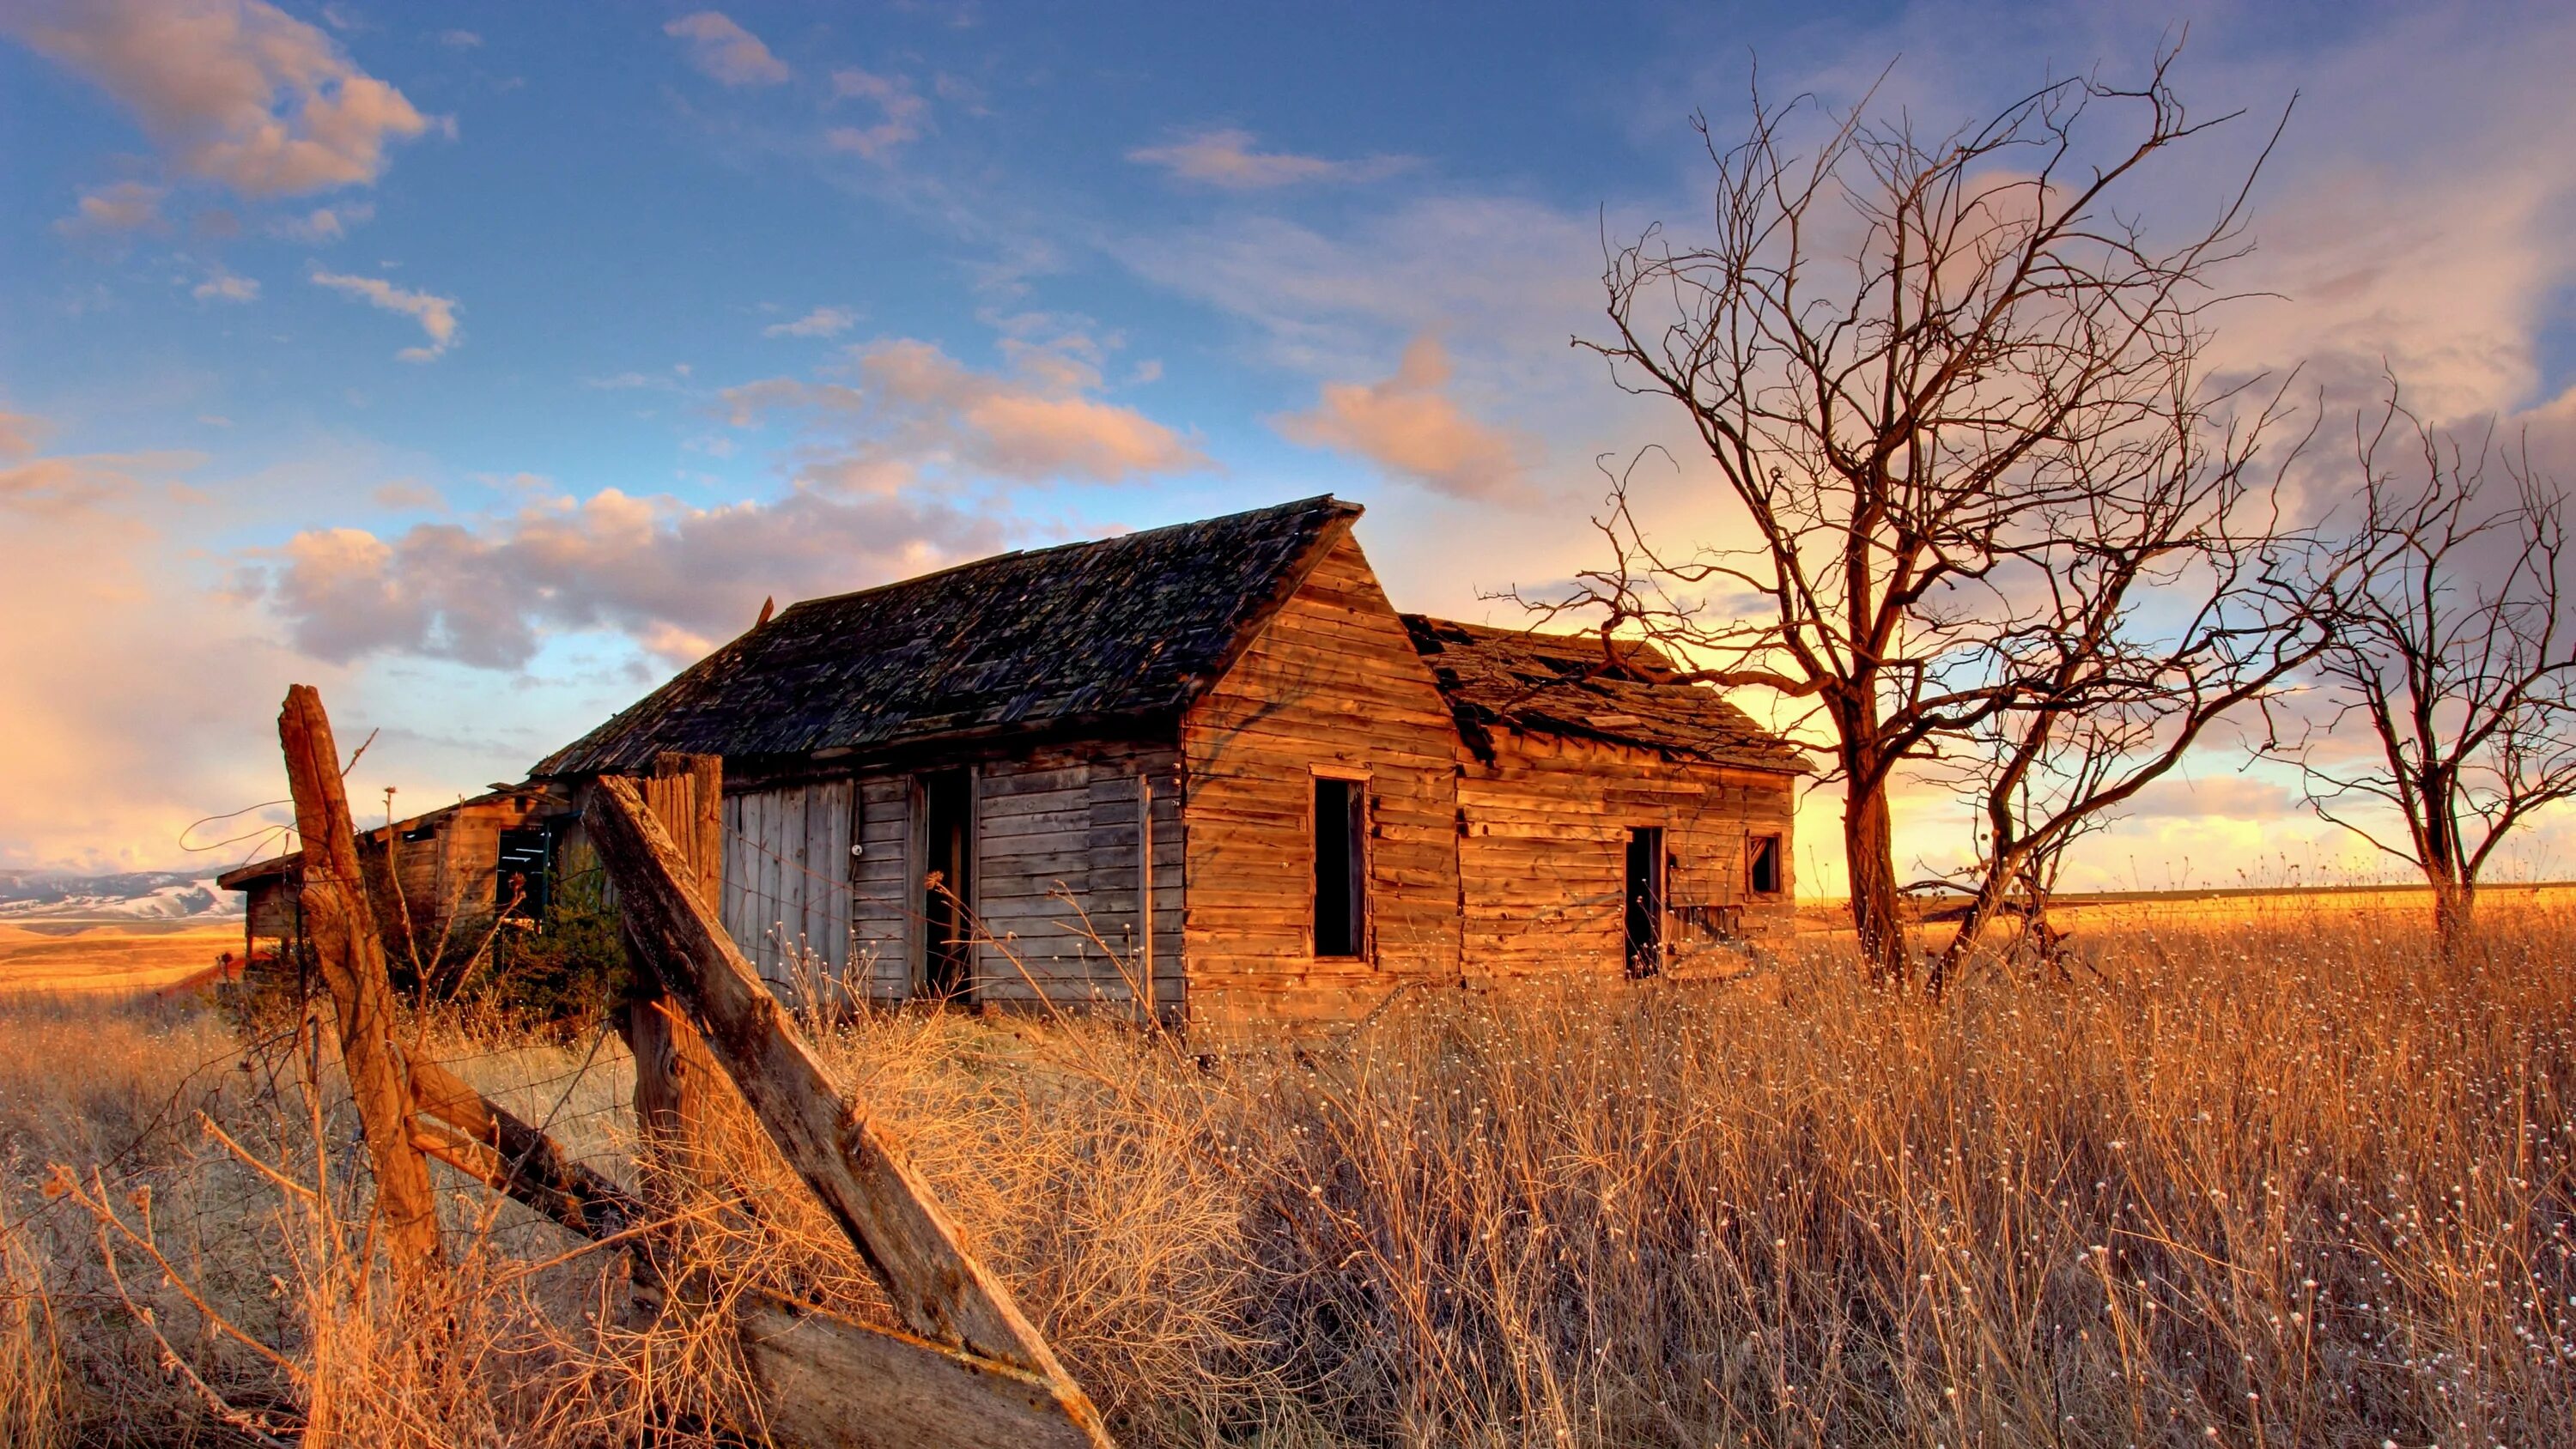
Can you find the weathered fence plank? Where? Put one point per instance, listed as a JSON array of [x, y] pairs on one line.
[[351, 955], [511, 1156], [941, 1292], [679, 1092]]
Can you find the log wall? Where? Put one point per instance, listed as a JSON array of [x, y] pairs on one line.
[[1543, 834], [1332, 682]]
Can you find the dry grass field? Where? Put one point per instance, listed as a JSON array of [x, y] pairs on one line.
[[2259, 1177], [109, 957]]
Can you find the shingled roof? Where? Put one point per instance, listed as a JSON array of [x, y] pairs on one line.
[[1564, 684], [1132, 625]]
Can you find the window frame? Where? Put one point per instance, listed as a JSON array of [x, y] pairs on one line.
[[1358, 820], [1778, 843]]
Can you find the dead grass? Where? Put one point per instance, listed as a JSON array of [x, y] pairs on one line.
[[73, 957], [2265, 1181]]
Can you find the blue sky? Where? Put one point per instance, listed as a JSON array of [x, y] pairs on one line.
[[483, 364]]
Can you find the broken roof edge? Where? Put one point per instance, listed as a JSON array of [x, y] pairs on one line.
[[1644, 666]]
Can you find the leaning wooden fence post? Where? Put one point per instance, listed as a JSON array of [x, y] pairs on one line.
[[342, 928], [942, 1293], [675, 1077]]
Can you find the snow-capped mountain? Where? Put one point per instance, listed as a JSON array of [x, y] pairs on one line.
[[169, 895]]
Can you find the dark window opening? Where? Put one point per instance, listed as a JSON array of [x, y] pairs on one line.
[[1341, 868], [525, 869], [1645, 898], [419, 833], [1762, 866], [947, 884]]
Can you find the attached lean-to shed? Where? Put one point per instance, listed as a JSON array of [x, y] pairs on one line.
[[452, 867], [1207, 772]]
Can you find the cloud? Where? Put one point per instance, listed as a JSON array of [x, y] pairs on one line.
[[1411, 427], [725, 51], [224, 286], [135, 653], [436, 315], [905, 113], [821, 322], [460, 39], [2221, 797], [670, 381], [18, 434], [119, 206], [1227, 159], [674, 578], [891, 408], [324, 223], [75, 486], [233, 91]]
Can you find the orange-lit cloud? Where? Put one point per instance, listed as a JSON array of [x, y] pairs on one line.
[[1411, 427], [234, 91], [123, 685], [890, 409]]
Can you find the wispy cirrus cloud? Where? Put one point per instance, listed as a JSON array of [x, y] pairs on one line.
[[902, 111], [821, 322], [725, 52], [236, 92], [435, 314], [223, 285], [324, 223], [1230, 159], [118, 206]]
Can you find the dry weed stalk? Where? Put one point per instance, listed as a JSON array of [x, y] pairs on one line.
[[2288, 1179]]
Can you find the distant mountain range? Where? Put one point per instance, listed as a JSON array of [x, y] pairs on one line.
[[161, 895]]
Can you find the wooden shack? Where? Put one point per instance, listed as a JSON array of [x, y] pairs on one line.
[[1208, 772], [459, 863]]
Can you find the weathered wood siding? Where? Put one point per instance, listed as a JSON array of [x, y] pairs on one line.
[[1047, 820], [449, 871], [1543, 850], [1332, 681], [787, 875], [1059, 861]]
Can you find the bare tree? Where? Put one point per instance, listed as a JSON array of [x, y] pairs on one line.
[[2453, 655], [1959, 398]]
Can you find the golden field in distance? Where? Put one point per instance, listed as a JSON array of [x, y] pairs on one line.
[[110, 957]]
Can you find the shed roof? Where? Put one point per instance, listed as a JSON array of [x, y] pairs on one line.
[[1567, 684], [1131, 625]]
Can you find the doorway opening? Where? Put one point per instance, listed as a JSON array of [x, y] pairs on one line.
[[947, 885], [1645, 898]]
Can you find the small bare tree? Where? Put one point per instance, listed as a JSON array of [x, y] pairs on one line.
[[1959, 398], [2453, 654]]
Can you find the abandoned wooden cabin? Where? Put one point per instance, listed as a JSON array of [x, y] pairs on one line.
[[460, 863], [1208, 771]]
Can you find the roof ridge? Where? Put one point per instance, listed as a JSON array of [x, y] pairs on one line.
[[990, 559]]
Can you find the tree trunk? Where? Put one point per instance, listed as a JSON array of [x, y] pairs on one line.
[[2455, 904], [1869, 845]]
